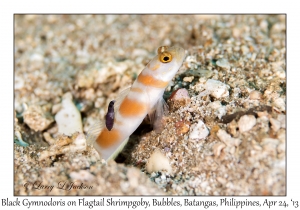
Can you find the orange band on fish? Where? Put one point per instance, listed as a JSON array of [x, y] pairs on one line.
[[149, 80], [107, 138], [131, 108]]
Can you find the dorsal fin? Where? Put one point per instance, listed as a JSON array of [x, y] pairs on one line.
[[123, 93], [161, 110]]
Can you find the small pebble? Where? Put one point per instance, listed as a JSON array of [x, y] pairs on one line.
[[281, 134], [19, 83], [253, 57], [280, 104], [139, 53], [275, 124], [199, 131], [221, 180], [281, 119], [204, 184], [264, 25], [262, 114], [268, 140], [48, 138], [219, 110], [232, 126], [179, 98], [215, 88], [133, 175], [20, 141], [223, 63], [217, 148], [36, 61], [281, 147], [82, 175], [85, 79], [215, 105], [182, 127], [36, 118], [270, 145], [246, 123], [281, 73], [244, 49], [56, 108], [180, 94], [255, 95], [227, 139], [157, 180], [188, 79], [158, 162], [124, 186]]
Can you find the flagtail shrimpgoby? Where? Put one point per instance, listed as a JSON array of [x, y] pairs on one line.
[[134, 103]]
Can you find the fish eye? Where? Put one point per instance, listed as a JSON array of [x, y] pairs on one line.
[[165, 57]]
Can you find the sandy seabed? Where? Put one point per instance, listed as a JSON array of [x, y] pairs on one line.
[[90, 58]]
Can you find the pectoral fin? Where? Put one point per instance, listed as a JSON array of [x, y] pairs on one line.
[[157, 113]]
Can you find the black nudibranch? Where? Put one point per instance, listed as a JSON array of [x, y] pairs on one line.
[[110, 116]]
